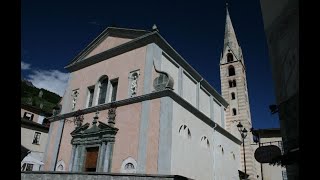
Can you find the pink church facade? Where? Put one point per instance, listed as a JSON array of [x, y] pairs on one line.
[[166, 117]]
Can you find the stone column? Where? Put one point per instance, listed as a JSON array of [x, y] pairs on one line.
[[108, 157], [72, 157], [102, 155]]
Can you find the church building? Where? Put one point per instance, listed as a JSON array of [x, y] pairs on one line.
[[134, 105]]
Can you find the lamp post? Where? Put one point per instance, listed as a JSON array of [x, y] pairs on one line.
[[243, 133]]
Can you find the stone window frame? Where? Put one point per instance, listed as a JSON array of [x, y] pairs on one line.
[[35, 135], [88, 96]]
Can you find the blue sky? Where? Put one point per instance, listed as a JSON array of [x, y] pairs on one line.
[[54, 32]]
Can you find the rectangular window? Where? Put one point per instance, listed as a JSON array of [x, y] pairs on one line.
[[36, 138], [29, 167], [103, 91], [284, 175], [90, 95], [28, 116], [114, 85]]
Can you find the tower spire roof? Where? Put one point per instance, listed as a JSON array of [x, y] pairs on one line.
[[229, 34]]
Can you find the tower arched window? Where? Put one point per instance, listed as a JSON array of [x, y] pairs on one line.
[[231, 70], [103, 85], [229, 57], [234, 83], [233, 95], [234, 111]]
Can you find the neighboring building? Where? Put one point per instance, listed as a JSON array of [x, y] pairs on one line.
[[281, 24], [136, 106], [270, 137], [234, 90], [34, 135]]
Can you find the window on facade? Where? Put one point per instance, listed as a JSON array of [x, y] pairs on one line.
[[232, 83], [28, 116], [29, 167], [204, 141], [185, 131], [103, 91], [284, 175], [233, 95], [114, 85], [229, 57], [231, 71], [234, 111], [91, 159], [129, 166], [36, 138], [133, 83], [90, 95]]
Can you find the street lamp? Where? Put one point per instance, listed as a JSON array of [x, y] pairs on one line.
[[243, 133]]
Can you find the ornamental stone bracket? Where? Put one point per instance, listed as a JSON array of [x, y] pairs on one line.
[[97, 134], [163, 81]]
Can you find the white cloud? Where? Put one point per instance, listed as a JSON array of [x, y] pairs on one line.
[[25, 66], [51, 80]]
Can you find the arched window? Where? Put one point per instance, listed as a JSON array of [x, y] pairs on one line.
[[129, 165], [103, 85], [234, 83], [234, 111], [230, 83], [60, 166], [231, 71], [204, 142], [233, 95], [229, 57], [185, 131]]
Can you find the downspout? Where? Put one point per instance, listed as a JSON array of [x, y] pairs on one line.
[[56, 160], [214, 154], [260, 163]]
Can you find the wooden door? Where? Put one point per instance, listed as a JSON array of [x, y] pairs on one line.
[[91, 159]]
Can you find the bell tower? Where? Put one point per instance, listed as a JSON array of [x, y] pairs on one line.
[[234, 91]]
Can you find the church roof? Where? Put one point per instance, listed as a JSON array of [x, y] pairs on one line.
[[139, 38]]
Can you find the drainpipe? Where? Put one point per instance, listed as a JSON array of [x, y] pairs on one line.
[[214, 154], [260, 163], [56, 160]]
